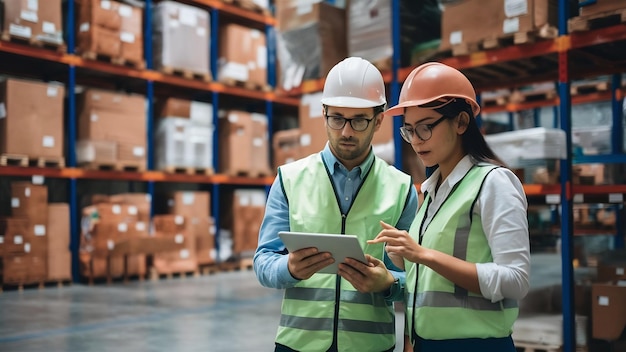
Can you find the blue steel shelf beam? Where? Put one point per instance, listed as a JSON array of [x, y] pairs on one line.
[[215, 189], [394, 89], [567, 238], [617, 150], [71, 145]]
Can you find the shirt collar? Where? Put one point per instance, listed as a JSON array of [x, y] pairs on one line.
[[459, 171], [334, 164]]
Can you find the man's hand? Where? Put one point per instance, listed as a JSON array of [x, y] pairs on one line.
[[370, 277], [305, 262]]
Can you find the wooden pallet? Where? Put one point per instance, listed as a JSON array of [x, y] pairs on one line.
[[511, 39], [126, 166], [236, 264], [156, 276], [39, 285], [247, 85], [589, 87], [188, 170], [25, 161], [208, 269], [120, 61], [188, 74], [530, 96], [248, 5], [58, 47], [598, 20]]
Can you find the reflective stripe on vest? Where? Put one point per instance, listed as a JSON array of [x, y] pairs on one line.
[[316, 308], [444, 310]]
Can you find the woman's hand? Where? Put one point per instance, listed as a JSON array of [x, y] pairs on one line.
[[398, 244]]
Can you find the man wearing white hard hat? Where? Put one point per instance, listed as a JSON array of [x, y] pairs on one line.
[[343, 189]]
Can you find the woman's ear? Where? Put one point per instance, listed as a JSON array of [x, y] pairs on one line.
[[463, 120]]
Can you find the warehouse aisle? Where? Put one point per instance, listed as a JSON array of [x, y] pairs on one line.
[[220, 312]]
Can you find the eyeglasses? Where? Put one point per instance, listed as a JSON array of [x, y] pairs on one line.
[[359, 124], [423, 131]]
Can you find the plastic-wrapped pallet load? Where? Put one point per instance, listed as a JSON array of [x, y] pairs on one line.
[[38, 21], [531, 143], [369, 31], [310, 39], [177, 27], [184, 135]]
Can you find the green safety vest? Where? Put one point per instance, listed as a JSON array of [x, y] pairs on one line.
[[440, 309], [316, 309]]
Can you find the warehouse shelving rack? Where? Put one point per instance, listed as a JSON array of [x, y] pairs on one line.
[[68, 65], [569, 56]]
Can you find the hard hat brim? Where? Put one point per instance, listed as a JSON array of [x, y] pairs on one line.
[[350, 102], [398, 110]]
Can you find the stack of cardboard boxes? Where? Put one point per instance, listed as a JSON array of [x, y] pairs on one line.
[[184, 135], [112, 29], [242, 56], [177, 28], [112, 129], [38, 21], [35, 238], [109, 220], [31, 119], [198, 228], [244, 144], [177, 261], [480, 23], [243, 213]]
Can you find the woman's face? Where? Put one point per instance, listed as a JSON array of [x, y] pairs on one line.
[[440, 142]]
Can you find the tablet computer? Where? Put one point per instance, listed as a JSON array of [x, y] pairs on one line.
[[340, 246]]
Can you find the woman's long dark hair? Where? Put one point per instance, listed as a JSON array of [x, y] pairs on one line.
[[472, 140]]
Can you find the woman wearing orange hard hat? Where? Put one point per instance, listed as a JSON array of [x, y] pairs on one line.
[[467, 253]]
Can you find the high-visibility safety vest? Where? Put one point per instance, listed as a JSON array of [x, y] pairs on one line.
[[437, 308], [325, 308]]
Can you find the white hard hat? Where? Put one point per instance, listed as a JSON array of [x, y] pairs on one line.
[[354, 83]]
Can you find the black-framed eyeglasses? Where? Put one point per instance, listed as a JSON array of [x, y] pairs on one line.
[[359, 124], [423, 131]]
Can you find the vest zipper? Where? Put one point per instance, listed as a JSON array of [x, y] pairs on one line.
[[334, 347]]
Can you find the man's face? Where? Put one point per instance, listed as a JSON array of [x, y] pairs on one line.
[[351, 146]]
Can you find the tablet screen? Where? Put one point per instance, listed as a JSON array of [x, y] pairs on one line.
[[340, 246]]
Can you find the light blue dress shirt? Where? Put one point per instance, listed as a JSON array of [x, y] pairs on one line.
[[270, 261]]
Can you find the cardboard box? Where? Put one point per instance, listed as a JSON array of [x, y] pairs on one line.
[[608, 310], [36, 20], [473, 21], [180, 260], [177, 27], [131, 33], [242, 55], [313, 136], [204, 231], [249, 205], [600, 6], [286, 146], [260, 146], [190, 204], [235, 136], [31, 202], [36, 107], [142, 203], [59, 255], [101, 113], [24, 269]]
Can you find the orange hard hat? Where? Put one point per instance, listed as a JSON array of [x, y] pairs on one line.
[[431, 82]]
